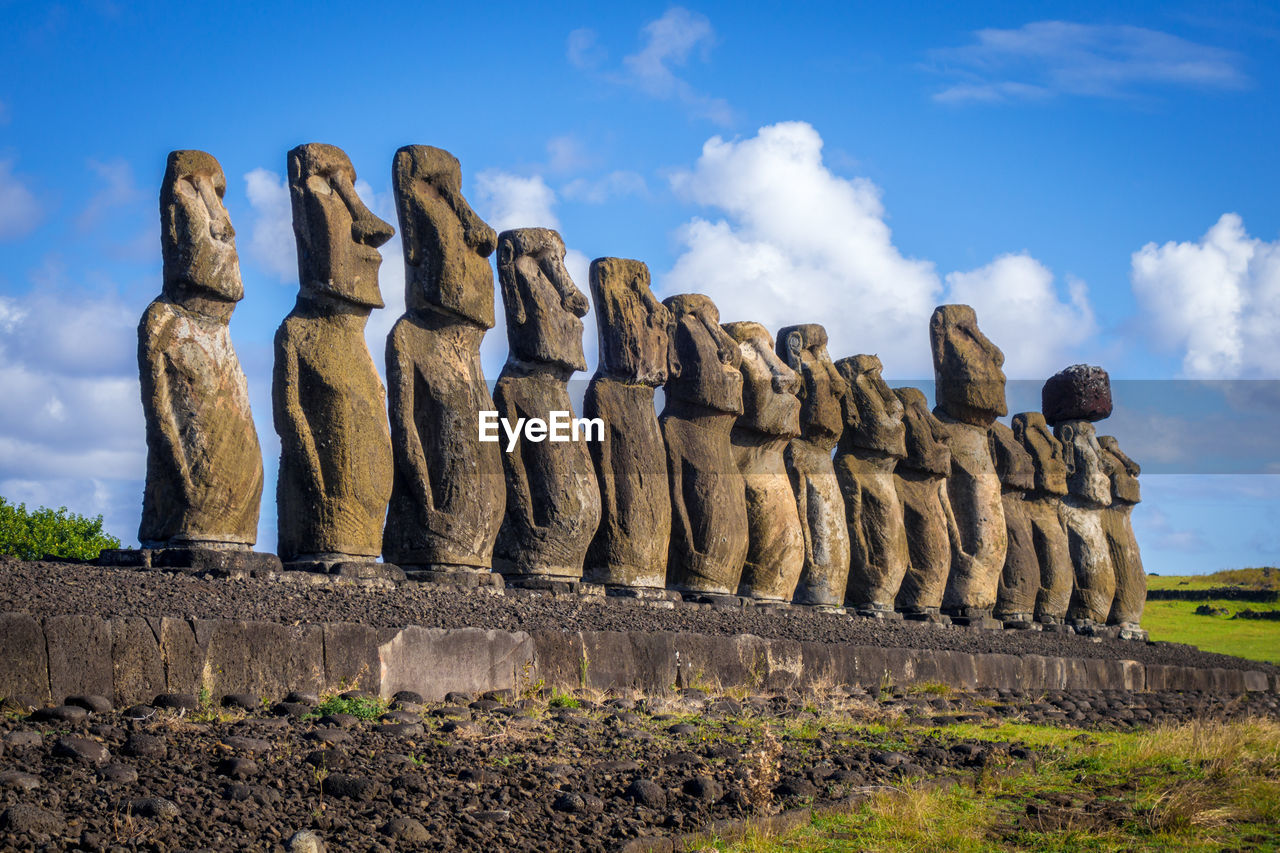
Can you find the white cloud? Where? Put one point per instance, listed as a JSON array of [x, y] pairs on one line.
[[19, 210], [582, 49], [513, 201], [118, 190], [1218, 299], [618, 184], [271, 242], [1046, 58], [799, 244]]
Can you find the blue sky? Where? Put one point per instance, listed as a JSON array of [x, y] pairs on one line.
[[1098, 181]]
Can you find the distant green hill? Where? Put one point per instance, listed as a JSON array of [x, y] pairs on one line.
[[1178, 622]]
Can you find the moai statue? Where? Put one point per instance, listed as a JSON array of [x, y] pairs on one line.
[[813, 476], [328, 401], [970, 396], [874, 441], [204, 464], [1117, 522], [1043, 505], [1071, 400], [770, 419], [448, 492], [1020, 579], [553, 501], [920, 480], [709, 533], [629, 551]]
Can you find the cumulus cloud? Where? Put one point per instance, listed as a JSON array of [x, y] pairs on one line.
[[1216, 299], [515, 201], [1046, 58], [19, 210], [118, 190], [271, 241]]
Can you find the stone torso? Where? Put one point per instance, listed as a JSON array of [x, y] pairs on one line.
[[981, 540]]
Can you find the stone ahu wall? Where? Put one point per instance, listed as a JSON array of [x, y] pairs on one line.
[[774, 473]]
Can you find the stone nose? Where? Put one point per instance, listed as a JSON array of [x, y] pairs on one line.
[[785, 382], [221, 229], [370, 230]]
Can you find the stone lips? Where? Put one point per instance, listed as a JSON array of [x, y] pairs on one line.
[[1081, 392]]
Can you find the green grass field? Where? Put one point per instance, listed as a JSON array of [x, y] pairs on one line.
[[1177, 621]]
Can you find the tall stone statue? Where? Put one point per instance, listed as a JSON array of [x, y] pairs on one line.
[[874, 441], [770, 419], [1020, 579], [970, 396], [204, 464], [629, 551], [553, 501], [448, 493], [1071, 400], [920, 480], [328, 401], [813, 477], [1043, 505], [1117, 522], [709, 534]]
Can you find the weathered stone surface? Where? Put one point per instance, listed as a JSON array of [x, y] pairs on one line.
[[79, 650], [25, 672], [553, 500], [262, 658], [328, 402], [920, 480], [433, 662], [448, 492], [630, 545], [874, 440], [970, 394], [1020, 579], [1043, 505], [1081, 392], [709, 533], [136, 662], [1117, 522], [204, 463], [813, 478], [351, 656], [770, 418], [1083, 508]]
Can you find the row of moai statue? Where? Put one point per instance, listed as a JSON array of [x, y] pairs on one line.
[[772, 473]]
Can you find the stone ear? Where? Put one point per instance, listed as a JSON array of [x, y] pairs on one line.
[[674, 367], [1068, 449], [507, 277], [409, 232]]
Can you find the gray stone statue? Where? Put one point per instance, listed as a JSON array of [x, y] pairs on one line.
[[449, 492], [629, 551], [709, 533], [874, 440], [204, 464], [970, 396], [328, 401], [1117, 522], [813, 477], [920, 480], [1043, 505], [769, 420], [1020, 579], [553, 500]]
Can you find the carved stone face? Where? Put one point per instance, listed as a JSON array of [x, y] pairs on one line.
[[822, 389], [1122, 470], [927, 449], [542, 303], [198, 242], [1086, 477], [769, 402], [338, 237], [1013, 463], [872, 412], [446, 245], [1046, 452], [703, 366], [966, 367], [634, 327]]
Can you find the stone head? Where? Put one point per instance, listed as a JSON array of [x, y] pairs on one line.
[[822, 390], [197, 240], [634, 327], [769, 402], [966, 367], [338, 237], [446, 245], [927, 450], [1122, 470], [1013, 463], [703, 361], [1030, 429], [1086, 477], [872, 412], [543, 306]]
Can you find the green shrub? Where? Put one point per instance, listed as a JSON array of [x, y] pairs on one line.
[[30, 535]]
